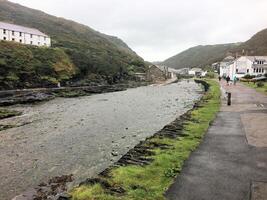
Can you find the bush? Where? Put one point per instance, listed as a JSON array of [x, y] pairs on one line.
[[249, 76], [210, 75], [260, 84]]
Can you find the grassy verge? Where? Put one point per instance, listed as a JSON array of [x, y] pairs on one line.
[[5, 113], [262, 89], [167, 155]]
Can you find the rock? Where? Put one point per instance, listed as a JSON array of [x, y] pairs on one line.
[[114, 153]]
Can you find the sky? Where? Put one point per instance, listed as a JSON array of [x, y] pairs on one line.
[[159, 29]]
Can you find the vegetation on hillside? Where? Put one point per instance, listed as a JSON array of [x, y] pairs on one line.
[[28, 66], [199, 56], [91, 52], [149, 182]]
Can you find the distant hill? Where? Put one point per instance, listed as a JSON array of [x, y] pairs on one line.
[[257, 45], [89, 50], [201, 56]]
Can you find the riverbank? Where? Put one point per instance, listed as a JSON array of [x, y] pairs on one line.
[[85, 135], [146, 171]]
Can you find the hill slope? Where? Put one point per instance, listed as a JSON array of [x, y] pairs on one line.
[[199, 56], [257, 45], [28, 66], [89, 50]]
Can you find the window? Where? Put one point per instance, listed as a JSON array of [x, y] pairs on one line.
[[13, 33], [20, 41], [247, 70], [45, 38], [254, 70], [31, 42], [4, 31], [13, 39], [31, 35], [257, 70], [20, 34], [236, 70], [4, 38]]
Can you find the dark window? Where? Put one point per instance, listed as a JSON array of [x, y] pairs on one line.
[[20, 41], [13, 39], [257, 70], [13, 32], [4, 31], [254, 70], [236, 70], [20, 34], [31, 42], [31, 35], [4, 38], [247, 70]]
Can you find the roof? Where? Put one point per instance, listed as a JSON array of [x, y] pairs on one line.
[[161, 68], [228, 58], [18, 28], [253, 58], [196, 69]]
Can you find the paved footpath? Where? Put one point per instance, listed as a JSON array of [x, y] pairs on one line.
[[231, 162]]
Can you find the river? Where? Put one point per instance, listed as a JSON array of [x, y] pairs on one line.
[[78, 135]]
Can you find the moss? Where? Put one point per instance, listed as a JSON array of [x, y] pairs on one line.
[[150, 182], [4, 113]]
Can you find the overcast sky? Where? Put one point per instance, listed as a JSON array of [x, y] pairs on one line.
[[158, 29]]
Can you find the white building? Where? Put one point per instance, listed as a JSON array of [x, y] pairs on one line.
[[245, 65], [197, 72], [24, 35]]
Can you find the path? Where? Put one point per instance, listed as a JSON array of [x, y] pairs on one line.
[[231, 162]]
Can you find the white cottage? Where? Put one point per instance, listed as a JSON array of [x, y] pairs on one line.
[[245, 65], [23, 35]]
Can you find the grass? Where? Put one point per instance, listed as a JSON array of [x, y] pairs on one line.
[[259, 89], [5, 113], [151, 181]]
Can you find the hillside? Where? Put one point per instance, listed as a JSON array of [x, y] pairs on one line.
[[28, 66], [199, 56], [257, 45], [90, 51]]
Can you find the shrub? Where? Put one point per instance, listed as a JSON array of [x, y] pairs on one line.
[[210, 75], [260, 84], [249, 76]]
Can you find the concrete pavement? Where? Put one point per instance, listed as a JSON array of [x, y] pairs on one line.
[[231, 162]]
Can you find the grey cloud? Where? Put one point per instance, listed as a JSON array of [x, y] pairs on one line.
[[158, 29]]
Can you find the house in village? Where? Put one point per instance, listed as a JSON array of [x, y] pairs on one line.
[[198, 72], [244, 65], [158, 73], [23, 35]]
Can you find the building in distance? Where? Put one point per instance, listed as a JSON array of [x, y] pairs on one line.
[[23, 35]]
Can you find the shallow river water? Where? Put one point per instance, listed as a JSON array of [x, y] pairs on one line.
[[77, 136]]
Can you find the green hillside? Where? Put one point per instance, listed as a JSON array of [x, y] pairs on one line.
[[90, 51], [199, 56], [257, 45], [28, 66]]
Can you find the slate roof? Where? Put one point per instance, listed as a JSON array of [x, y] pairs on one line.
[[23, 29]]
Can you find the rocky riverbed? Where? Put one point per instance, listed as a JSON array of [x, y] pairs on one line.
[[83, 136]]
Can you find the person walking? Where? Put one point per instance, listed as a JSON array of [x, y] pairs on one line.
[[235, 80], [228, 80]]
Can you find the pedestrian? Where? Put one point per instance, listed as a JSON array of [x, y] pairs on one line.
[[227, 79], [235, 80]]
